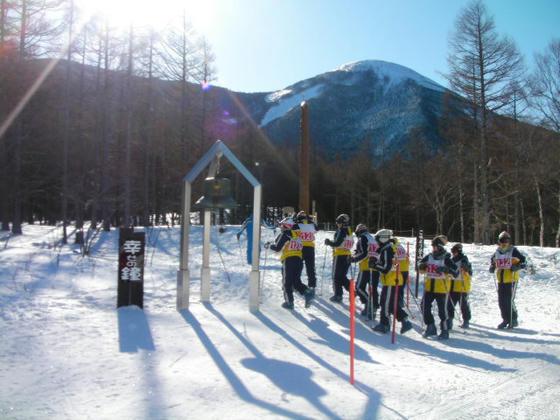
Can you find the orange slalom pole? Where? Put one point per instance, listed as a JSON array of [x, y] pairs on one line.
[[352, 331], [396, 297]]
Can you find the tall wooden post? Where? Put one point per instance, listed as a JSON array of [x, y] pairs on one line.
[[304, 165]]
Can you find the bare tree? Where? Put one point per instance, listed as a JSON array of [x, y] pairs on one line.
[[545, 92], [181, 59], [482, 66]]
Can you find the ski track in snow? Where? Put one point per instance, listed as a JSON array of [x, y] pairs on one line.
[[66, 352]]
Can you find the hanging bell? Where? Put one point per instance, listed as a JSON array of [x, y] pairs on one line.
[[217, 195]]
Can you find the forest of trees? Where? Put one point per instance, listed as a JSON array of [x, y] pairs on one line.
[[101, 125]]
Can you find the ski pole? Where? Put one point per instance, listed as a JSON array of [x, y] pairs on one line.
[[352, 329], [417, 304], [513, 291], [395, 305], [408, 277], [264, 271], [222, 259], [449, 300], [240, 250], [369, 308], [323, 272], [464, 292]]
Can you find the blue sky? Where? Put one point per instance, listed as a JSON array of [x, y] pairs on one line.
[[266, 45]]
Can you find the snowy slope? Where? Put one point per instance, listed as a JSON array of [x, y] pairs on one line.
[[285, 100], [67, 353], [392, 73]]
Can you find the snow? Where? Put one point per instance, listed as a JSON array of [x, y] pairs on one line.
[[67, 353], [286, 100], [275, 96], [393, 73]]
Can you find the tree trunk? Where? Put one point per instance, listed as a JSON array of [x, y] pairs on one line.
[[558, 230], [540, 210]]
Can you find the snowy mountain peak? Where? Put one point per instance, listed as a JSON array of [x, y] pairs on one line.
[[393, 73]]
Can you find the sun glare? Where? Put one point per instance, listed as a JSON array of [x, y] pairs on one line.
[[158, 14]]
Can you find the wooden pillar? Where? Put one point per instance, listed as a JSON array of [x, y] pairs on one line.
[[304, 166]]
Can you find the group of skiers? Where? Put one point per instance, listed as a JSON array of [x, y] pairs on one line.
[[382, 259]]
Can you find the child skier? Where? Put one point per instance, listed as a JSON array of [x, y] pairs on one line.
[[289, 243], [342, 246], [436, 266], [308, 228], [507, 260], [386, 264], [368, 278], [460, 287]]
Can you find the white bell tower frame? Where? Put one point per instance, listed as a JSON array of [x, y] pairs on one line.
[[218, 150]]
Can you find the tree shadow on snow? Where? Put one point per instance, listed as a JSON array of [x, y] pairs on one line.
[[374, 398], [289, 377], [340, 314], [134, 330], [516, 334], [332, 339], [415, 343], [504, 353], [228, 372]]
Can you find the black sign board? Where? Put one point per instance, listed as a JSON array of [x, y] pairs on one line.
[[131, 268], [419, 255]]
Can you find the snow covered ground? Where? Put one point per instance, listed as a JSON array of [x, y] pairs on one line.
[[66, 352]]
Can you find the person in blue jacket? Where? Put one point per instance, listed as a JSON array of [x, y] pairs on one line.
[[247, 225]]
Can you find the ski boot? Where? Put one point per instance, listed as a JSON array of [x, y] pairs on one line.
[[308, 296], [288, 305], [502, 325], [444, 335], [336, 299], [368, 313], [406, 326], [382, 328], [430, 330], [465, 324]]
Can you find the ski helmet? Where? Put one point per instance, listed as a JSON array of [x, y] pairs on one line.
[[361, 228], [504, 237], [343, 218], [287, 223], [383, 235], [439, 241], [458, 248]]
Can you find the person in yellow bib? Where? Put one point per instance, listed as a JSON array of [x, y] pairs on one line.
[[308, 229], [506, 263], [460, 287], [342, 246], [368, 278], [391, 280], [437, 266], [404, 264], [288, 242]]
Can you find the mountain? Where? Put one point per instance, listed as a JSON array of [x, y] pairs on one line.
[[370, 101]]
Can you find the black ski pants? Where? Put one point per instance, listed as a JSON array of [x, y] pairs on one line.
[[341, 264], [442, 304], [291, 278], [463, 300], [309, 261], [366, 287], [387, 304], [506, 301]]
